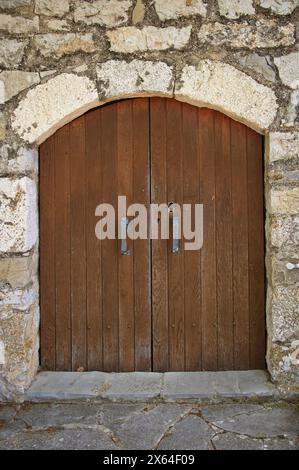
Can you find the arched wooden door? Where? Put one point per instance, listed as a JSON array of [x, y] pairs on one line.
[[152, 310]]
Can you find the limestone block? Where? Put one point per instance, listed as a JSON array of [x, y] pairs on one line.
[[19, 333], [57, 25], [120, 79], [233, 9], [240, 97], [11, 52], [284, 231], [52, 7], [284, 201], [18, 24], [265, 33], [283, 146], [16, 160], [59, 44], [110, 14], [288, 68], [18, 214], [279, 7], [259, 64], [292, 110], [13, 82], [11, 4], [19, 271], [50, 105], [130, 39], [12, 299], [283, 363], [174, 9]]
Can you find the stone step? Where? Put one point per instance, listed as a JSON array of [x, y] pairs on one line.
[[143, 386]]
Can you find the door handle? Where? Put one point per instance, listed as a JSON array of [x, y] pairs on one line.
[[123, 235], [175, 229], [175, 235]]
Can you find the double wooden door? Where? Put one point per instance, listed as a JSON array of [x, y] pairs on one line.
[[152, 310]]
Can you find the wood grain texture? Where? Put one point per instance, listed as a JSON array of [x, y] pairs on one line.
[[142, 268], [206, 132], [62, 255], [160, 287], [240, 246], [257, 329], [223, 229], [152, 310], [93, 154], [47, 254], [78, 243]]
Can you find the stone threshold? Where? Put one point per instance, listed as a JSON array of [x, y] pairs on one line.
[[143, 386]]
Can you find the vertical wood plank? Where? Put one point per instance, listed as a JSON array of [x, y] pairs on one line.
[[192, 259], [256, 249], [206, 132], [78, 242], [224, 242], [110, 251], [126, 263], [175, 169], [141, 193], [62, 249], [47, 254], [159, 247], [93, 245], [240, 246]]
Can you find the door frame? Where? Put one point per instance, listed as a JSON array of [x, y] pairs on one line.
[[77, 94], [83, 323]]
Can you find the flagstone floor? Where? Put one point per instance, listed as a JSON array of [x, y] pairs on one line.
[[112, 426]]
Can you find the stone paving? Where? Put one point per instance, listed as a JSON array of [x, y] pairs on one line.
[[160, 426]]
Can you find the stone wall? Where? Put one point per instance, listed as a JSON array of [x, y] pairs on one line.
[[59, 58]]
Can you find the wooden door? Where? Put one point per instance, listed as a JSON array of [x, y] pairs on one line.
[[152, 310], [208, 305], [95, 303]]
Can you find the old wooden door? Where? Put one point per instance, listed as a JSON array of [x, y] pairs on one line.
[[152, 310]]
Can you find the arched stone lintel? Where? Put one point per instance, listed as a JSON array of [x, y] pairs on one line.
[[212, 84], [222, 87], [215, 107], [49, 106]]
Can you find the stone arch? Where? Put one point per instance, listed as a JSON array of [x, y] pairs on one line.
[[208, 83], [64, 96]]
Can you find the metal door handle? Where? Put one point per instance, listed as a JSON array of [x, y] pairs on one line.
[[175, 239], [123, 235], [175, 229]]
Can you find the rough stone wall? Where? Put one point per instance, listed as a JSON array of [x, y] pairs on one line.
[[59, 58]]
